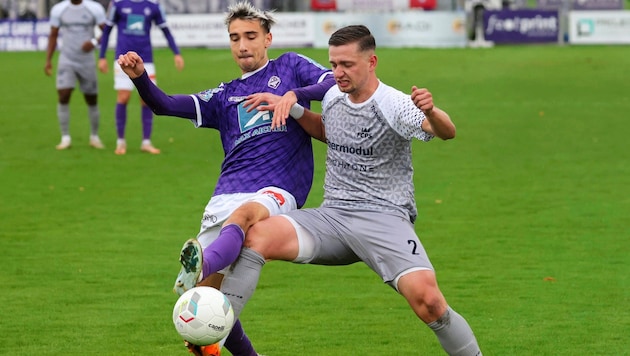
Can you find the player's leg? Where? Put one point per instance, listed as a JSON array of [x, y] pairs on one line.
[[236, 342], [123, 86], [274, 237], [65, 81], [198, 265], [267, 202], [224, 250], [389, 245], [147, 116], [299, 236], [63, 115], [122, 98], [282, 238], [425, 298], [88, 82], [216, 212]]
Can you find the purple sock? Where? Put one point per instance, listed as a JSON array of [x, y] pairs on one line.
[[147, 122], [238, 343], [121, 119], [224, 250]]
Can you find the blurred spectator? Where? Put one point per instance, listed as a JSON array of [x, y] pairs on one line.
[[4, 9], [27, 10]]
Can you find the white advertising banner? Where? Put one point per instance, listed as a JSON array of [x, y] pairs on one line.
[[398, 29], [599, 27], [208, 30], [292, 30]]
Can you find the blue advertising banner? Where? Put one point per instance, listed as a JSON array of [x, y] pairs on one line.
[[24, 35], [521, 26]]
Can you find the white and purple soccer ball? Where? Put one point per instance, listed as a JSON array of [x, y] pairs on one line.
[[203, 316]]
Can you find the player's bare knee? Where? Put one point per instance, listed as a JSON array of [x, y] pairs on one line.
[[256, 238], [428, 305], [435, 305], [247, 215]]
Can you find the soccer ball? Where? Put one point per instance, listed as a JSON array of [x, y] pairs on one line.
[[203, 316]]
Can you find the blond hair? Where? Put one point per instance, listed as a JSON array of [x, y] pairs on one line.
[[244, 10]]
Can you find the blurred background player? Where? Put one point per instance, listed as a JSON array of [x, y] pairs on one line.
[[253, 184], [133, 19], [75, 20]]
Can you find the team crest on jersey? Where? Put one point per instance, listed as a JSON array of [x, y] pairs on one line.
[[274, 82], [147, 11], [364, 133]]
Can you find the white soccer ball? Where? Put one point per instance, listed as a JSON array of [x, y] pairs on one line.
[[203, 316]]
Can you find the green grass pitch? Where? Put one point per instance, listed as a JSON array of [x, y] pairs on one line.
[[525, 214]]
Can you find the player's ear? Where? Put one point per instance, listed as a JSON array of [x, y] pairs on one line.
[[373, 61], [268, 38]]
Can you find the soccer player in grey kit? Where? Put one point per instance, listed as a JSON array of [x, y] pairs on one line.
[[369, 208], [265, 171], [134, 18], [75, 20]]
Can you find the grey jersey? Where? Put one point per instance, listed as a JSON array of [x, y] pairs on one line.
[[368, 164], [76, 25]]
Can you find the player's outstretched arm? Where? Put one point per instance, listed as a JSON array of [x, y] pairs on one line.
[[438, 122], [160, 103], [132, 64]]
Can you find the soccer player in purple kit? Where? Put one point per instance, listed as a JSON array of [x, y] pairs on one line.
[[133, 19], [254, 183]]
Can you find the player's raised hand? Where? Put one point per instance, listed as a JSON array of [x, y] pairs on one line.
[[280, 105], [423, 99], [282, 109], [131, 63], [261, 102]]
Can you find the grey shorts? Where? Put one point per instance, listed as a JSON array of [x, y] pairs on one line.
[[386, 242], [69, 73]]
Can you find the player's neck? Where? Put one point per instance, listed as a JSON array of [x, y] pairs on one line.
[[365, 92]]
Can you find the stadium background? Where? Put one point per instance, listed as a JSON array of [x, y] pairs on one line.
[[525, 213]]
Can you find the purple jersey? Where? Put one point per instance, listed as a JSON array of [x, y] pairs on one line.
[[133, 19], [255, 156]]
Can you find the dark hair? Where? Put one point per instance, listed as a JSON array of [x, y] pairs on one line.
[[352, 34]]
